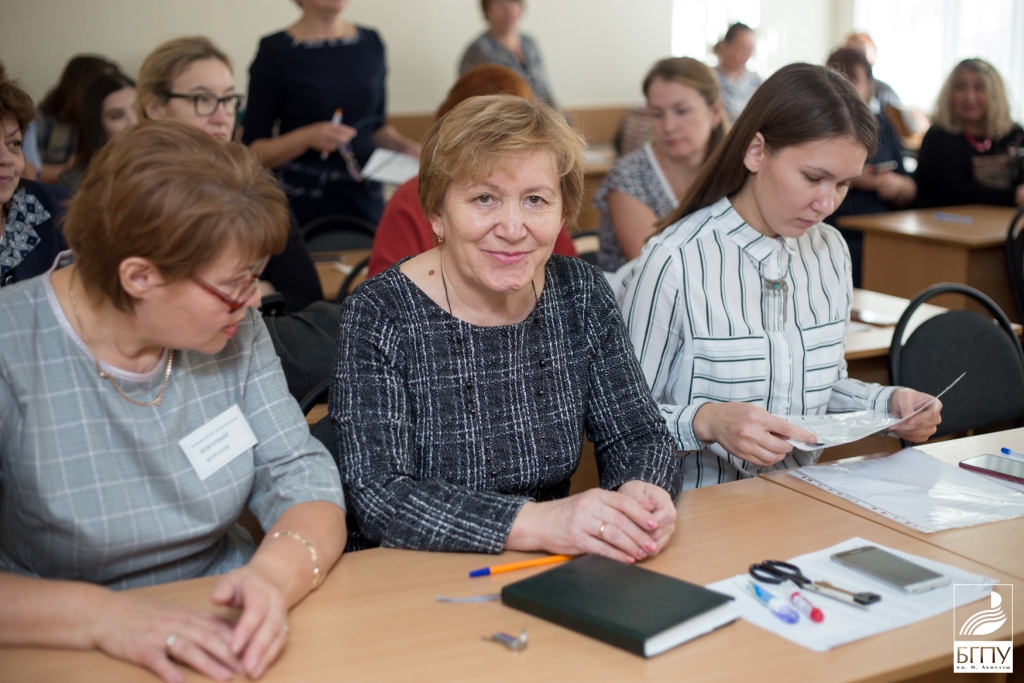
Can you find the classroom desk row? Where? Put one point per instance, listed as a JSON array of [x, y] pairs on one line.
[[376, 617], [906, 251]]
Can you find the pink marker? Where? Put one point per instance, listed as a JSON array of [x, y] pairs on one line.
[[806, 608]]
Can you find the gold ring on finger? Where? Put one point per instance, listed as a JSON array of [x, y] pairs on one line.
[[600, 532]]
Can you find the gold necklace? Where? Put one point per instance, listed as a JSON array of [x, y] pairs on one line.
[[106, 375]]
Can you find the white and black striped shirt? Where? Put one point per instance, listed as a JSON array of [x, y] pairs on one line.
[[692, 303]]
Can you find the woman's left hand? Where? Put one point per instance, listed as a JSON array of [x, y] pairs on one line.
[[918, 428], [655, 500], [262, 630]]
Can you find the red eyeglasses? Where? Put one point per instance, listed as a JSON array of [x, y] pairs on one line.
[[243, 292]]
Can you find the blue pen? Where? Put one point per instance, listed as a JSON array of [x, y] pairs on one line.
[[951, 217], [774, 603], [1016, 455]]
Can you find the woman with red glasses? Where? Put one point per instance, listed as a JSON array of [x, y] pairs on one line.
[[189, 79], [142, 409]]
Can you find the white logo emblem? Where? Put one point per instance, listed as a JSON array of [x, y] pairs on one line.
[[987, 620]]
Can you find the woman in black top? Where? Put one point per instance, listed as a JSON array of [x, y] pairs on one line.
[[884, 184], [30, 212], [970, 155], [299, 79], [466, 375]]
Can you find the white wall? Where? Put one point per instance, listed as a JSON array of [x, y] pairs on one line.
[[597, 51], [796, 31]]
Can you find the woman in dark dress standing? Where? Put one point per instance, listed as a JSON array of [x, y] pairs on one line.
[[300, 77]]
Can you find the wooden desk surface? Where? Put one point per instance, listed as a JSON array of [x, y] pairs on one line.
[[987, 229], [376, 617], [332, 267], [998, 544], [876, 341]]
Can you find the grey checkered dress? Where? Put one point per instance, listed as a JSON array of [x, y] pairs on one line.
[[441, 443], [94, 488]]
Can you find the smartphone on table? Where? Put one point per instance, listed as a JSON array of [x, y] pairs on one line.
[[891, 569], [996, 466]]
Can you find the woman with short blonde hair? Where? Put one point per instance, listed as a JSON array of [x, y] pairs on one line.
[[466, 375], [404, 229], [970, 155], [142, 409]]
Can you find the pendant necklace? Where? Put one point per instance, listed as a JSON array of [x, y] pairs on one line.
[[106, 375], [538, 325], [774, 295]]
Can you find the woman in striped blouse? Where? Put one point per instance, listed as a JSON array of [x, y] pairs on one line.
[[737, 309]]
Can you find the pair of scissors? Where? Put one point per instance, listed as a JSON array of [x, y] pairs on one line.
[[776, 572]]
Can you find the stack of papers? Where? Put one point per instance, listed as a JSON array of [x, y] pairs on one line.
[[844, 623], [917, 490], [393, 168]]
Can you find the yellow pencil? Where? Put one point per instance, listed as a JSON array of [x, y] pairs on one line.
[[526, 564]]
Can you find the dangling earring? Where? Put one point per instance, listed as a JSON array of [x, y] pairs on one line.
[[440, 239]]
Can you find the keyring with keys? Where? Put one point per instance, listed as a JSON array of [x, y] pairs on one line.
[[776, 572]]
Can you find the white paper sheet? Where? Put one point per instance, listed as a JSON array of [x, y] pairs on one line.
[[917, 490], [393, 168], [839, 428], [845, 623]]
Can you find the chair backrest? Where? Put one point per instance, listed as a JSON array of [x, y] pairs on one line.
[[323, 431], [316, 395], [960, 341], [306, 342], [354, 277], [338, 232], [587, 246], [1015, 260]]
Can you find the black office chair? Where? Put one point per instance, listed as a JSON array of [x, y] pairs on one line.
[[1015, 260], [338, 232], [959, 341], [350, 280], [587, 246], [323, 431]]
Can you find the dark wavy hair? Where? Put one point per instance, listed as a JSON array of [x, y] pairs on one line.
[[65, 100], [91, 135]]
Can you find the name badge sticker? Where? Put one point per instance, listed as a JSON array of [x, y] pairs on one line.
[[218, 442]]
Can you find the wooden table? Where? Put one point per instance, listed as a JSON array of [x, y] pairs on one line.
[[907, 251], [999, 545], [376, 617], [332, 267], [600, 158], [867, 351]]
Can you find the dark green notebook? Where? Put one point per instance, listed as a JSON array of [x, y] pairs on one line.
[[636, 609]]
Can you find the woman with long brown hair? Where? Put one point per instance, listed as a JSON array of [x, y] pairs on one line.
[[737, 309]]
